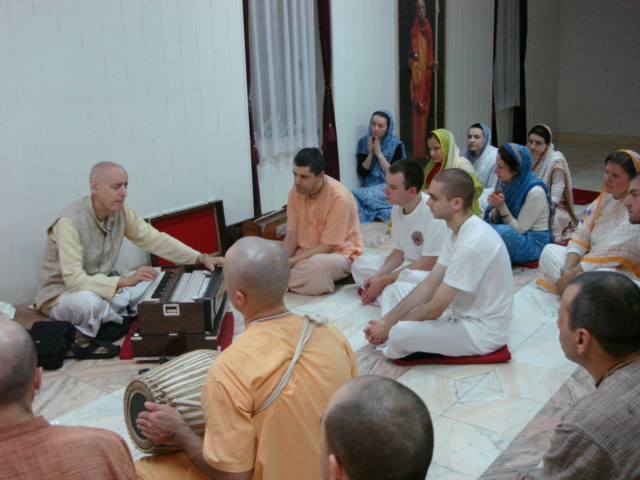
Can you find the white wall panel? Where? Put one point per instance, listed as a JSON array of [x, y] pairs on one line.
[[156, 85], [542, 62], [599, 74], [469, 66]]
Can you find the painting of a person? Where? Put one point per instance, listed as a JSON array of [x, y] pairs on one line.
[[422, 65]]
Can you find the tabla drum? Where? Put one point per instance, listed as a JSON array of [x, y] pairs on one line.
[[177, 383]]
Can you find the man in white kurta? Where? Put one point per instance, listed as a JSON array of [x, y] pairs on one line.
[[416, 237], [464, 306]]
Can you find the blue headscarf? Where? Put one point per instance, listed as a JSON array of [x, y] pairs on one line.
[[487, 141], [388, 147], [515, 192]]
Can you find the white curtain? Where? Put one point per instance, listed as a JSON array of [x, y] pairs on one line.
[[283, 75], [506, 67]]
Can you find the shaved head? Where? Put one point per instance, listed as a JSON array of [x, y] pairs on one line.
[[378, 428], [99, 169], [18, 362], [259, 268]]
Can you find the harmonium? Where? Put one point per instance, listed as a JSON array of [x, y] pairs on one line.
[[272, 225], [184, 307]]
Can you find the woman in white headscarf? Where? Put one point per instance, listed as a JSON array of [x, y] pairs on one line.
[[482, 156]]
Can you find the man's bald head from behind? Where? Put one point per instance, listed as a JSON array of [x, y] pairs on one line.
[[18, 363], [376, 428], [259, 268]]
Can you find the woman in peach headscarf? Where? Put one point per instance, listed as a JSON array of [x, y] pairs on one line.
[[604, 238], [552, 168]]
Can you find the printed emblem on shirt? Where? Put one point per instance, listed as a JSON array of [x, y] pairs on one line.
[[417, 238]]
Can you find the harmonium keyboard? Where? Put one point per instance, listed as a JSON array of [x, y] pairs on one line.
[[272, 225], [182, 311]]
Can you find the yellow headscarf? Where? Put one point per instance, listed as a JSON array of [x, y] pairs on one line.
[[451, 159]]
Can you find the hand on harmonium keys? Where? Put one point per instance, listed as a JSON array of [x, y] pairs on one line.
[[210, 262]]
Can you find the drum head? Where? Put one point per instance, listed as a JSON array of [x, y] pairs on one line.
[[136, 394]]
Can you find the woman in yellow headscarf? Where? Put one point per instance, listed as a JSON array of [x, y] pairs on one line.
[[445, 154]]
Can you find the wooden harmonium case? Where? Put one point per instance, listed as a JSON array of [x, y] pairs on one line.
[[272, 225], [182, 311]]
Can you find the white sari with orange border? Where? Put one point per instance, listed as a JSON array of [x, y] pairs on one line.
[[604, 239]]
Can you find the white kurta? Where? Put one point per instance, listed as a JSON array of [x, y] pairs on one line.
[[478, 265], [416, 235]]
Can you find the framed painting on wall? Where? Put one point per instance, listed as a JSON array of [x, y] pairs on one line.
[[421, 72]]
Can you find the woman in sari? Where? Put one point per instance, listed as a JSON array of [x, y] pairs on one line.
[[445, 154], [376, 151], [520, 209], [552, 168], [604, 238], [482, 155]]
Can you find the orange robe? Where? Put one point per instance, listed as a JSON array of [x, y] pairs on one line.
[[420, 63]]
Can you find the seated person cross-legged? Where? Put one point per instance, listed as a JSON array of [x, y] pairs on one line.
[[243, 439], [323, 231], [444, 154], [376, 152], [482, 155], [520, 209], [464, 306], [552, 168], [604, 239], [417, 239], [78, 281]]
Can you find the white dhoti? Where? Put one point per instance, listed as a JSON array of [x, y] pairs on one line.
[[366, 265], [444, 335], [394, 293], [87, 311]]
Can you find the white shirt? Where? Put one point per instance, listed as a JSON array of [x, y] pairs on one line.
[[478, 265], [418, 234]]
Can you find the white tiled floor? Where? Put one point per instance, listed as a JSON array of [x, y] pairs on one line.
[[477, 409]]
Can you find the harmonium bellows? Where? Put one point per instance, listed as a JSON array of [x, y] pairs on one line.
[[272, 225], [182, 311]]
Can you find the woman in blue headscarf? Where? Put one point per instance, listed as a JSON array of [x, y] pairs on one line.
[[376, 151], [520, 208]]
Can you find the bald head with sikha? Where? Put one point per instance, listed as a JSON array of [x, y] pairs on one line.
[[256, 273]]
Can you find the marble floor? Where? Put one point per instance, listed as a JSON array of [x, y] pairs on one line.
[[490, 420]]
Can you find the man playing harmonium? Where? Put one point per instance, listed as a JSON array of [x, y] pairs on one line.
[[78, 280], [246, 436], [323, 231]]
